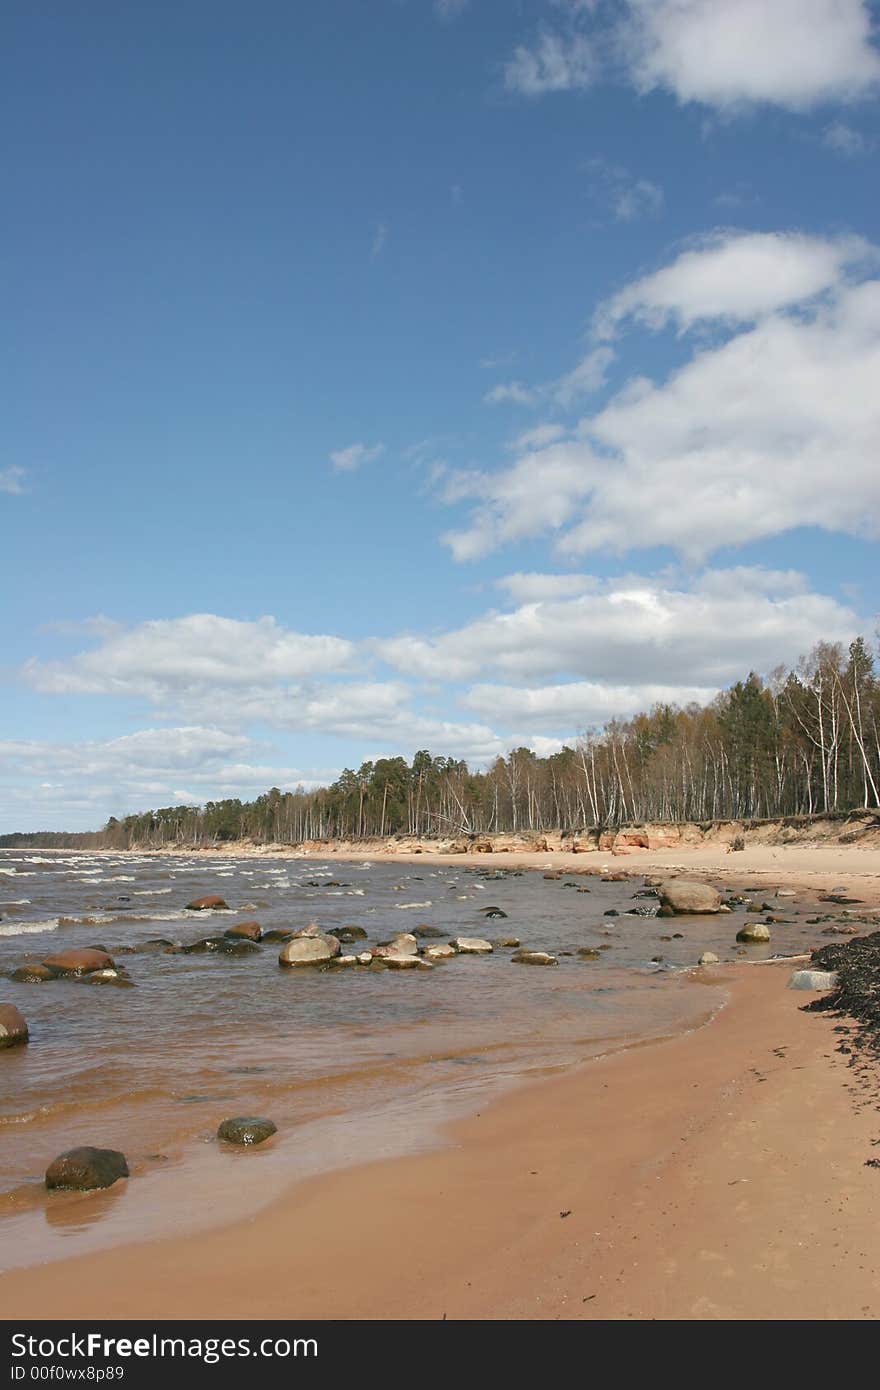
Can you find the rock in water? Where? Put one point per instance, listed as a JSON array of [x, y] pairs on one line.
[[309, 950], [681, 895], [440, 952], [13, 1029], [246, 1130], [534, 958], [753, 933], [83, 1169], [708, 958], [813, 979], [213, 901], [472, 945], [79, 962], [248, 931], [32, 974]]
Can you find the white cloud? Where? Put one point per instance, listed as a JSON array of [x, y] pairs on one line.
[[164, 659], [11, 480], [731, 53], [575, 705], [380, 236], [735, 277], [585, 379], [844, 139], [532, 588], [348, 459], [537, 438], [449, 9], [513, 392], [554, 64], [638, 632]]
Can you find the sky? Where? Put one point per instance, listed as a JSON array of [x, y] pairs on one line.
[[446, 374]]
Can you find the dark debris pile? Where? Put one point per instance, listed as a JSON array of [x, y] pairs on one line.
[[857, 996]]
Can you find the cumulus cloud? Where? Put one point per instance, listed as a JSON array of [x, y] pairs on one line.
[[736, 277], [162, 659], [575, 705], [555, 63], [732, 53], [638, 632], [348, 459], [770, 426]]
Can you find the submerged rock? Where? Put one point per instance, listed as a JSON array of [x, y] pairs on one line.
[[279, 934], [588, 953], [86, 1168], [209, 904], [222, 946], [246, 1130], [13, 1028], [309, 950], [79, 962], [682, 895], [426, 933]]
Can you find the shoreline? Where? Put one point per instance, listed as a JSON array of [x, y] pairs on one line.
[[742, 1192]]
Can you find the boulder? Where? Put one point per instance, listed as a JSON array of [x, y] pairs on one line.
[[79, 962], [13, 1029], [86, 1168], [312, 929], [32, 974], [279, 934], [222, 946], [248, 931], [472, 945], [245, 1130], [682, 895], [753, 933], [708, 958], [154, 945], [534, 958], [309, 950], [209, 904], [813, 979]]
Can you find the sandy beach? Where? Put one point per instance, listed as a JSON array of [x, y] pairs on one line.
[[719, 1174]]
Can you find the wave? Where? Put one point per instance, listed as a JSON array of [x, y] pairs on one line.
[[25, 928], [400, 906]]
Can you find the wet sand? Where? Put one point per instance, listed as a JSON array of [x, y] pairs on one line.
[[720, 1174]]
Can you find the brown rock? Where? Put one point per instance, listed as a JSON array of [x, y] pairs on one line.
[[683, 895], [32, 974], [251, 931], [206, 904], [13, 1029], [79, 962], [86, 1168]]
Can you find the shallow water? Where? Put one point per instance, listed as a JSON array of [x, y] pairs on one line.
[[350, 1064]]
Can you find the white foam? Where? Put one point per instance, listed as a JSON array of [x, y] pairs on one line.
[[405, 905], [26, 928]]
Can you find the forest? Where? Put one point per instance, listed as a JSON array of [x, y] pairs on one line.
[[794, 743]]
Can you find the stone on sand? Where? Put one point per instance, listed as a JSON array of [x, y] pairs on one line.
[[86, 1168]]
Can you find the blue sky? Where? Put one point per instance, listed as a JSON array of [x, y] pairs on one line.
[[407, 374]]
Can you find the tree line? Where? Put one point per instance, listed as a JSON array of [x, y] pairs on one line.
[[795, 743]]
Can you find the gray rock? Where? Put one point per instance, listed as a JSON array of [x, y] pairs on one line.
[[245, 1130], [813, 979], [86, 1168], [309, 950], [708, 958], [753, 933], [683, 895], [440, 952], [472, 945], [533, 958]]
